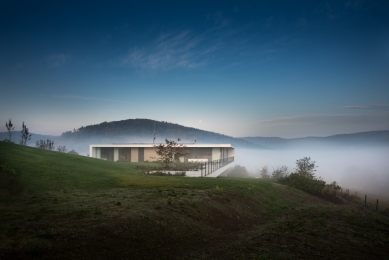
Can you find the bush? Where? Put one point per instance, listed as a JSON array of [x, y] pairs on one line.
[[162, 173], [73, 152], [304, 179], [46, 145], [301, 182], [280, 172], [238, 172]]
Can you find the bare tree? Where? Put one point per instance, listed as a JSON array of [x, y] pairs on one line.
[[10, 128], [47, 145], [25, 135], [169, 152], [62, 149]]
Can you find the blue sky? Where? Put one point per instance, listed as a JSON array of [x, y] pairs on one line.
[[270, 68]]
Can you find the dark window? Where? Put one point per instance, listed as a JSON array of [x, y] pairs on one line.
[[141, 154], [107, 153], [125, 154], [199, 153]]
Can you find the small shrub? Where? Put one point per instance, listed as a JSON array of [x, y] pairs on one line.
[[6, 169], [219, 190], [73, 152]]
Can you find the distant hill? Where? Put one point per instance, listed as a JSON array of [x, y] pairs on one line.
[[142, 130], [356, 140]]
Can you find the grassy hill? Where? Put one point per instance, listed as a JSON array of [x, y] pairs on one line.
[[59, 206]]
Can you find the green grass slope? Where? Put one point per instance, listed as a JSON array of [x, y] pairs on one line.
[[61, 206]]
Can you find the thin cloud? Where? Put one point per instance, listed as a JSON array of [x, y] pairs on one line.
[[355, 5], [90, 98], [338, 119], [376, 107], [57, 59], [170, 51]]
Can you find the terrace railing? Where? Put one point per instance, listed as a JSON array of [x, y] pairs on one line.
[[212, 166]]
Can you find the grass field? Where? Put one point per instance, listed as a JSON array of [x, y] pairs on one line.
[[61, 206]]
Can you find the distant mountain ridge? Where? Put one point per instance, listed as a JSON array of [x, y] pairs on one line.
[[142, 130], [355, 140]]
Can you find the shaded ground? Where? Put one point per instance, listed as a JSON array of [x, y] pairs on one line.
[[193, 224]]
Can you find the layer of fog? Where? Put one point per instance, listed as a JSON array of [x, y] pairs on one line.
[[364, 170]]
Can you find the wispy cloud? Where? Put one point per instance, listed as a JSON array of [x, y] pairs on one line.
[[57, 59], [376, 107], [354, 5], [219, 19], [170, 51], [90, 98], [337, 119]]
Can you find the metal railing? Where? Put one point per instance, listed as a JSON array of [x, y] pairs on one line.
[[212, 166]]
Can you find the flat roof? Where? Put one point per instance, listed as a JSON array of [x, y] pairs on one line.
[[152, 145]]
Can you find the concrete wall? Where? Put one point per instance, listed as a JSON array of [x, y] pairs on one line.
[[134, 154], [150, 154], [115, 154], [231, 152], [216, 153]]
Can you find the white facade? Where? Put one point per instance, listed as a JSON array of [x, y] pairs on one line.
[[147, 152]]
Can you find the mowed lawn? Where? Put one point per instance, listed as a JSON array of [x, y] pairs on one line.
[[62, 206]]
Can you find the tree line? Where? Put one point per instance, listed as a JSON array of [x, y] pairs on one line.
[[26, 136], [144, 128]]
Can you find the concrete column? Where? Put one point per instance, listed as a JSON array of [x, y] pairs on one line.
[[134, 155], [115, 154], [98, 152]]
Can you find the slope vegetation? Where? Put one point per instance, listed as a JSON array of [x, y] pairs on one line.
[[56, 206]]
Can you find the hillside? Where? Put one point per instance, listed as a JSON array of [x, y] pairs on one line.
[[58, 206], [350, 141], [142, 130]]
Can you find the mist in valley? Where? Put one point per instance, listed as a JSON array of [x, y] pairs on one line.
[[365, 170]]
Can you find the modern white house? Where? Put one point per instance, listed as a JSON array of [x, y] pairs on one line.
[[147, 152]]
